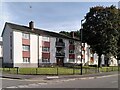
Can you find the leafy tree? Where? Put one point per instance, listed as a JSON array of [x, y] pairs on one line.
[[65, 33], [100, 30]]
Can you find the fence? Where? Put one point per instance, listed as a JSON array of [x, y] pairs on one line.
[[58, 70]]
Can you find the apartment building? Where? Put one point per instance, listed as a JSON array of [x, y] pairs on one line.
[[26, 46], [1, 53]]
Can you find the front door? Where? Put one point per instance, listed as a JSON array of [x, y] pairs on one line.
[[60, 61]]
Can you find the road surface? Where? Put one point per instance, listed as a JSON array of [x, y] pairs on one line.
[[109, 81]]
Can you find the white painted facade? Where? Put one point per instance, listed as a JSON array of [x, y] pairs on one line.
[[1, 49], [17, 48], [52, 50], [36, 50], [77, 52], [66, 49], [40, 49]]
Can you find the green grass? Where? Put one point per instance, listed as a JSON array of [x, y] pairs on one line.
[[58, 70]]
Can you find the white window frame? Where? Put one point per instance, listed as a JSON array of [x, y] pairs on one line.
[[44, 38], [26, 48], [26, 60], [47, 49], [25, 36], [71, 52], [73, 60], [71, 42], [45, 60]]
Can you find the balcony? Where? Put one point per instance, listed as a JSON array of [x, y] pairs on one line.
[[60, 44], [58, 54]]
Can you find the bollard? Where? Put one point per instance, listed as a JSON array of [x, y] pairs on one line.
[[57, 70], [106, 69], [36, 71], [73, 70], [17, 69], [85, 70]]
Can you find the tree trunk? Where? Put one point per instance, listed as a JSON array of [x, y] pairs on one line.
[[99, 61]]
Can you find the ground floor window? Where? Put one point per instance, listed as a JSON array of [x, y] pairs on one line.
[[26, 60], [71, 60], [45, 60]]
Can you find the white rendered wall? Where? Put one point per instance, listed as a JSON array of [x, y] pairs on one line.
[[102, 59], [66, 59], [40, 49], [113, 61], [95, 59], [1, 50], [52, 50], [6, 45], [77, 52], [17, 48], [34, 50]]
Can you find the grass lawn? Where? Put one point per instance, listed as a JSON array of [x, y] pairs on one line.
[[58, 70]]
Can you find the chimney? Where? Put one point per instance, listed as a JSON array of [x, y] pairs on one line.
[[31, 25], [72, 34]]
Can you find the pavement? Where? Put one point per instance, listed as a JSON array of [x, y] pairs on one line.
[[59, 77]]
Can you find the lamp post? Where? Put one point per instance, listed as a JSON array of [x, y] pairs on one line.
[[81, 37]]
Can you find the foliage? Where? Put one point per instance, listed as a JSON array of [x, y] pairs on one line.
[[100, 30]]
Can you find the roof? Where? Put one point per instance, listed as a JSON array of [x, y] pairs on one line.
[[37, 31]]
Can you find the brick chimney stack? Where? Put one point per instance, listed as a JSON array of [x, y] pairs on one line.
[[31, 25], [72, 34]]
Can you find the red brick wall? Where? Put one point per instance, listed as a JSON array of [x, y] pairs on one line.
[[26, 41], [26, 54], [71, 56], [71, 47], [46, 55], [45, 44]]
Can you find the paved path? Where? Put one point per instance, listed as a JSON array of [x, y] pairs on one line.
[[36, 81]]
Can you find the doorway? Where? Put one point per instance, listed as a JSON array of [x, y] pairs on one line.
[[60, 61]]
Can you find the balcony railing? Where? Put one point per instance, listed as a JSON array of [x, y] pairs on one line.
[[60, 44], [60, 54]]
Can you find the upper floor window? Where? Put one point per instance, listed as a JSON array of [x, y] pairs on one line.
[[59, 40], [71, 42], [71, 51], [25, 36], [45, 38], [26, 48], [45, 49]]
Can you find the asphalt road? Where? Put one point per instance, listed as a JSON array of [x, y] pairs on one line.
[[110, 81]]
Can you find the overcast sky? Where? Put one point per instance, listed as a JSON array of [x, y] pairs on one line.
[[52, 16]]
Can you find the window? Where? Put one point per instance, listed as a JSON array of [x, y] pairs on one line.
[[45, 39], [46, 60], [11, 39], [10, 53], [26, 48], [71, 51], [26, 60], [45, 49], [71, 60], [25, 36], [71, 42]]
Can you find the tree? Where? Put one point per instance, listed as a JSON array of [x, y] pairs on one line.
[[100, 30], [65, 33]]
